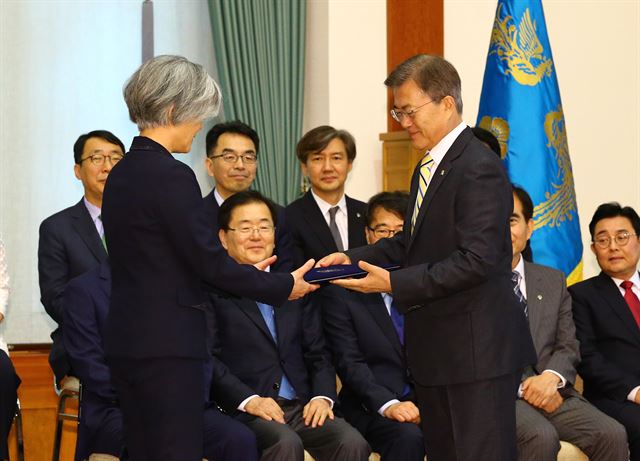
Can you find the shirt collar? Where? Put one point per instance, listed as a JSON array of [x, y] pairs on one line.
[[439, 150], [520, 267], [635, 279], [218, 197], [325, 206], [93, 210]]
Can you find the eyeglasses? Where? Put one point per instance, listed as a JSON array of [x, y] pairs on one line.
[[621, 240], [383, 232], [249, 230], [99, 159], [233, 158], [399, 115]]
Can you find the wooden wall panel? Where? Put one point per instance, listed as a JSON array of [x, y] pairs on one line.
[[413, 27]]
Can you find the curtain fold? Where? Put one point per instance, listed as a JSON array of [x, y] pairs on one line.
[[259, 46]]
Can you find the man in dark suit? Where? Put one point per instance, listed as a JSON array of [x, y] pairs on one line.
[[325, 220], [232, 160], [280, 383], [71, 241], [606, 311], [549, 408], [365, 332], [466, 338], [86, 301]]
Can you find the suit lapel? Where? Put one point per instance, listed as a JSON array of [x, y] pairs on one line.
[[612, 296], [535, 300], [437, 178], [378, 310], [251, 310], [317, 224], [86, 229], [354, 226]]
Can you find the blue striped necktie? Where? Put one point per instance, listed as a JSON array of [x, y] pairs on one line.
[[424, 175]]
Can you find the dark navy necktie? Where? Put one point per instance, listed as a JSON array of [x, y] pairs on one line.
[[515, 278]]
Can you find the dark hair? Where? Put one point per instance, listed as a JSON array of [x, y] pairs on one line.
[[488, 138], [235, 127], [319, 138], [612, 210], [525, 200], [394, 202], [78, 146], [434, 75], [244, 198]]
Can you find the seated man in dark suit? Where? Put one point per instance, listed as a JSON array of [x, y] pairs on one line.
[[606, 311], [86, 301], [71, 241], [325, 220], [365, 334], [232, 161], [280, 381], [549, 408]]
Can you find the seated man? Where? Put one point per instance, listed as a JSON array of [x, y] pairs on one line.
[[232, 161], [606, 310], [280, 382], [549, 408], [86, 301], [365, 334]]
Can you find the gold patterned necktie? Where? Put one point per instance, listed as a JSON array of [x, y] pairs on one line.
[[424, 174]]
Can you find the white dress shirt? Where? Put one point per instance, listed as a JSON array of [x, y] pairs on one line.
[[4, 293], [342, 218], [95, 212], [635, 279], [439, 150]]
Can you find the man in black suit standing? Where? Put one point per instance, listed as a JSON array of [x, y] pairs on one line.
[[325, 220], [549, 408], [365, 332], [71, 241], [232, 160], [606, 311], [280, 383], [466, 338]]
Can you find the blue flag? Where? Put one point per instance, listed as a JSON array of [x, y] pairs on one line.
[[520, 104]]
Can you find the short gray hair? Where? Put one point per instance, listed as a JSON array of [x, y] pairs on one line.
[[168, 90], [434, 75]]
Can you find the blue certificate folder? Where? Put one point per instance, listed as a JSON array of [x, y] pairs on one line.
[[340, 271]]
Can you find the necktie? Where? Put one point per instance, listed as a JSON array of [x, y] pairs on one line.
[[333, 227], [423, 181], [398, 322], [100, 229], [515, 278], [286, 389], [632, 300]]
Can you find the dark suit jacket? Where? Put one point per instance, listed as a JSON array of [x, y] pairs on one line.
[[283, 248], [550, 321], [310, 232], [256, 363], [366, 350], [609, 339], [69, 246], [463, 323], [85, 316], [161, 249]]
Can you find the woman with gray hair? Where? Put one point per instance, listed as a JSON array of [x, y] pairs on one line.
[[162, 251]]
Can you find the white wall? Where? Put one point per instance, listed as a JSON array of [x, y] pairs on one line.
[[596, 51], [345, 67], [62, 67]]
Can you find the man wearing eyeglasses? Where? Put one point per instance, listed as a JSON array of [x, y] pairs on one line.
[[606, 311], [72, 240], [280, 381], [232, 161], [465, 338], [365, 332]]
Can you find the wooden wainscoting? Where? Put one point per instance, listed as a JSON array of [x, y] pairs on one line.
[[39, 404], [399, 158]]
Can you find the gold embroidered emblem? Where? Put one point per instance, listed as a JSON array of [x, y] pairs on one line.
[[520, 49], [560, 203], [499, 127]]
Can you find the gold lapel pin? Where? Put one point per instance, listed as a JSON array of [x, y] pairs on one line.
[[539, 297], [441, 172]]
